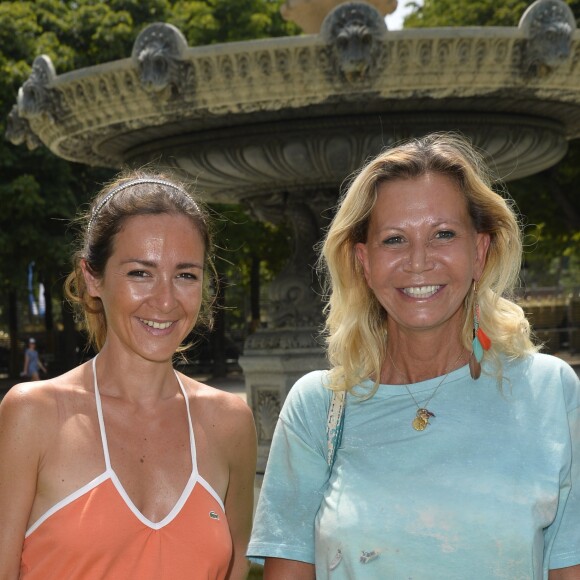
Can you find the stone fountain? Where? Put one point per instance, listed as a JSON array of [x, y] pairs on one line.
[[278, 124]]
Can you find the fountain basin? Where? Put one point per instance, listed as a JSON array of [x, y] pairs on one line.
[[299, 113]]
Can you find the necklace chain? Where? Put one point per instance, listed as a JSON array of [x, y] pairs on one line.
[[421, 420]]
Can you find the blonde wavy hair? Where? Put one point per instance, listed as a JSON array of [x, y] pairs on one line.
[[132, 193], [355, 328]]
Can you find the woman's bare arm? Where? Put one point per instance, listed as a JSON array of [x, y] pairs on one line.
[[570, 573], [280, 569], [239, 501], [19, 460]]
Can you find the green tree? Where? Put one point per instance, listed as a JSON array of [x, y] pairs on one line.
[[39, 193], [248, 256], [216, 21], [549, 202], [437, 13], [35, 191]]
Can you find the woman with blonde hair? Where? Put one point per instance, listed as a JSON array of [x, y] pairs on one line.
[[441, 444], [124, 467]]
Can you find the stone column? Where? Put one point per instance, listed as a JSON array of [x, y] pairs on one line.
[[291, 345]]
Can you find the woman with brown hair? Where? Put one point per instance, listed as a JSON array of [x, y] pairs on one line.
[[124, 467]]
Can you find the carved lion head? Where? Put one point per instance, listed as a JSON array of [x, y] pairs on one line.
[[353, 30]]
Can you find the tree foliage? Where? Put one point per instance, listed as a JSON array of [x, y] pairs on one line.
[[39, 193], [438, 13], [216, 21]]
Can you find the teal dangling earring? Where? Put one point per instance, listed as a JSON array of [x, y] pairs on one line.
[[481, 341]]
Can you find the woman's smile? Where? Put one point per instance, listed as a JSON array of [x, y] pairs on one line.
[[156, 325], [421, 291]]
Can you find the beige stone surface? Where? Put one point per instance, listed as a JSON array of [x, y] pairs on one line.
[[309, 14]]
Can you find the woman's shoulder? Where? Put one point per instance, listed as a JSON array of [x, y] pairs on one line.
[[313, 385], [34, 405], [308, 400], [215, 402], [543, 364], [311, 389], [551, 378], [225, 418], [40, 393]]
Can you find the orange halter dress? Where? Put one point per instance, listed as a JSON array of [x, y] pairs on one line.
[[97, 532]]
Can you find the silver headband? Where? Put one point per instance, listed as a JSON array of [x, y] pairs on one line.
[[131, 183]]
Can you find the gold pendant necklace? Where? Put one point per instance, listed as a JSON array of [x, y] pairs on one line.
[[421, 420]]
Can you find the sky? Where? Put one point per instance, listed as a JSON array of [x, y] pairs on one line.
[[395, 20]]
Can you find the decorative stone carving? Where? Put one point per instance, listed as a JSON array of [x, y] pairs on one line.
[[256, 118], [309, 14], [292, 300], [266, 413], [35, 98], [267, 208], [269, 376], [549, 25], [291, 339], [159, 53], [294, 294], [265, 169], [18, 130], [353, 32]]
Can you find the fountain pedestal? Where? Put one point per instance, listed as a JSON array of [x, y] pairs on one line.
[[272, 362], [275, 357]]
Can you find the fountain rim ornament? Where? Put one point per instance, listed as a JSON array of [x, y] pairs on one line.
[[253, 117]]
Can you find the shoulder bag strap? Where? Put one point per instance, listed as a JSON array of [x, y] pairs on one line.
[[334, 425]]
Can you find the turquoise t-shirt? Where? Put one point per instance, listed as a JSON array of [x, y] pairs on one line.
[[491, 488]]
